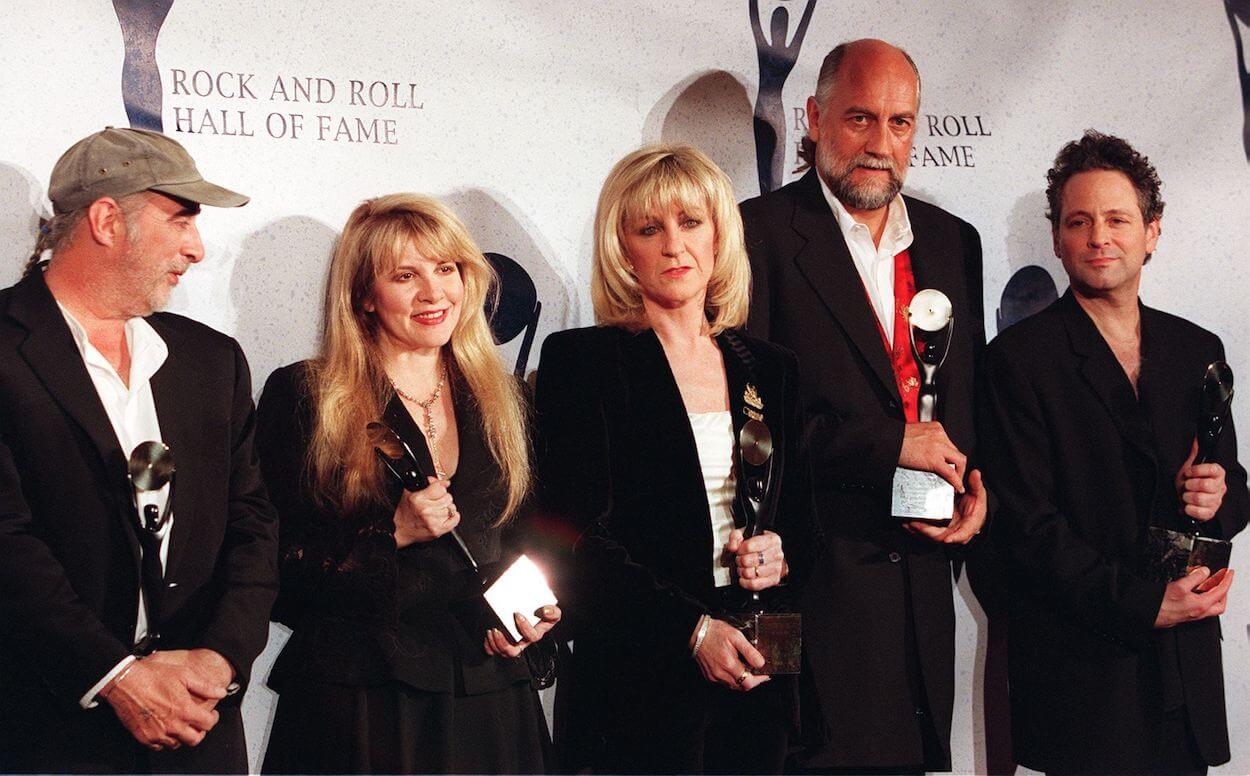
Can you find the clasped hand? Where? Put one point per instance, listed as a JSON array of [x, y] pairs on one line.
[[926, 447], [1201, 487], [759, 561], [496, 643], [168, 699], [426, 514]]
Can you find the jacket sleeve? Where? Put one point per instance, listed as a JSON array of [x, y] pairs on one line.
[[41, 616], [1042, 549], [1235, 509], [247, 563], [605, 588], [323, 558]]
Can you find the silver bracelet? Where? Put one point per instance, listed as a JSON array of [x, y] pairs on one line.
[[704, 622]]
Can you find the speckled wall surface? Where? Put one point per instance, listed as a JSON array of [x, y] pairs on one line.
[[514, 111]]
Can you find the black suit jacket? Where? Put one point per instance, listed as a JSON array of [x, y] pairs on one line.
[[620, 477], [70, 577], [1081, 467], [807, 296]]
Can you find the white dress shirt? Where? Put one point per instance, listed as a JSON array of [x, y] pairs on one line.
[[875, 262], [132, 412]]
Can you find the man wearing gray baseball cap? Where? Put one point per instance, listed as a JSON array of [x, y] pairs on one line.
[[139, 549]]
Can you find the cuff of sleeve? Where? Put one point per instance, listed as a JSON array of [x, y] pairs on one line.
[[88, 700]]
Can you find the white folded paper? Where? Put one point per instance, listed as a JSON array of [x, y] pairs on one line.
[[919, 495], [522, 588]]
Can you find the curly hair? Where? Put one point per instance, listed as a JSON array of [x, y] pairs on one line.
[[1096, 151]]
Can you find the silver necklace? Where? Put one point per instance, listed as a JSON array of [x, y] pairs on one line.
[[431, 433]]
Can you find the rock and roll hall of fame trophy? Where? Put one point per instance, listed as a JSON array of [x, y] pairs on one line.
[[1169, 554], [776, 634], [921, 495]]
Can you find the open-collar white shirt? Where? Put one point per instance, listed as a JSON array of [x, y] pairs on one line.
[[131, 411], [875, 263]]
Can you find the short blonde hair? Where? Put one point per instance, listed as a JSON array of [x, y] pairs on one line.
[[657, 178]]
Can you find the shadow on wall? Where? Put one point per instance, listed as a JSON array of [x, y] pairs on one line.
[[278, 289], [1032, 260], [497, 226], [1239, 19], [710, 111], [21, 206]]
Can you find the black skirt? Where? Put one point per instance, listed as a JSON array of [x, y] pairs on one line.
[[320, 727]]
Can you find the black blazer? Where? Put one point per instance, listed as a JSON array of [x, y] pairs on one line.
[[807, 296], [70, 577], [361, 611], [620, 477], [1081, 467]]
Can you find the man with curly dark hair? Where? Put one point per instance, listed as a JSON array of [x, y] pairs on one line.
[[1089, 410]]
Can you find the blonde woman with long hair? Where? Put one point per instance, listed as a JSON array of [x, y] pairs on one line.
[[383, 672]]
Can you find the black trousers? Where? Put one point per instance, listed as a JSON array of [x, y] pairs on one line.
[[731, 732]]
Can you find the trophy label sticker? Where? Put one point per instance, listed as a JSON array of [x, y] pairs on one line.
[[522, 588], [919, 495]]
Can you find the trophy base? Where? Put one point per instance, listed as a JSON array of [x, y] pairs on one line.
[[1170, 555], [778, 637], [919, 495]]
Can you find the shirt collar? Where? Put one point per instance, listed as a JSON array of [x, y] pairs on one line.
[[148, 350], [897, 223]]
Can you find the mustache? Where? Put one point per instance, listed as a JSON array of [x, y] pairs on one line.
[[872, 162]]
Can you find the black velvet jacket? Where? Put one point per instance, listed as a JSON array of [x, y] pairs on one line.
[[361, 611], [620, 479]]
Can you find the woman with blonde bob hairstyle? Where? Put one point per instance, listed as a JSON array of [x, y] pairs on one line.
[[383, 671], [639, 419]]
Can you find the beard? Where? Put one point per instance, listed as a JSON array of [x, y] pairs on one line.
[[870, 195], [143, 282]]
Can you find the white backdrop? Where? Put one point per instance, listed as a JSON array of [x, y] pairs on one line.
[[513, 112]]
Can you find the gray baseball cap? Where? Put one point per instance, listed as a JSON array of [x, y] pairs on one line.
[[115, 162]]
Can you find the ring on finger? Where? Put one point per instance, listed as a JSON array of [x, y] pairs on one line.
[[742, 677], [761, 558]]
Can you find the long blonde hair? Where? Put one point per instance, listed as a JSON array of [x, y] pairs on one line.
[[349, 385], [655, 178]]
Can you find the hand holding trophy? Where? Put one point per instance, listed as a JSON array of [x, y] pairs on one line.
[[520, 588], [925, 495], [1169, 554], [777, 635]]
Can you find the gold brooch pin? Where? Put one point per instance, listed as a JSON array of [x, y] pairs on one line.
[[752, 397], [755, 405]]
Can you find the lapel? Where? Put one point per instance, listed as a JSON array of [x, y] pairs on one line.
[[1105, 377], [826, 263], [659, 417], [1169, 395], [737, 377], [179, 419], [770, 392], [50, 352], [931, 269]]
